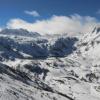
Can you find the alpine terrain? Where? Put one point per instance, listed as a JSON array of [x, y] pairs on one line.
[[49, 67]]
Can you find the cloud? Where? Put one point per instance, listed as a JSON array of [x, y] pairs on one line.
[[57, 24], [98, 12], [0, 29], [32, 13]]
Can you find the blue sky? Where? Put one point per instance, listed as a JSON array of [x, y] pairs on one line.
[[15, 8], [12, 9]]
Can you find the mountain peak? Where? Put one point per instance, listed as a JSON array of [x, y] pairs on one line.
[[96, 30], [19, 32]]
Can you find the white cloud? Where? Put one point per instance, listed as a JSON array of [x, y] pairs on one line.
[[32, 13], [0, 29], [98, 12], [57, 24]]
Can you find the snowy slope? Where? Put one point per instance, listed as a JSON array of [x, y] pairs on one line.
[[89, 45], [38, 67]]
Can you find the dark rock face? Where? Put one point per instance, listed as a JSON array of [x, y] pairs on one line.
[[39, 49], [63, 47]]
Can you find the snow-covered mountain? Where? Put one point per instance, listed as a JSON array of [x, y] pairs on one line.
[[19, 32], [89, 45], [35, 67]]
